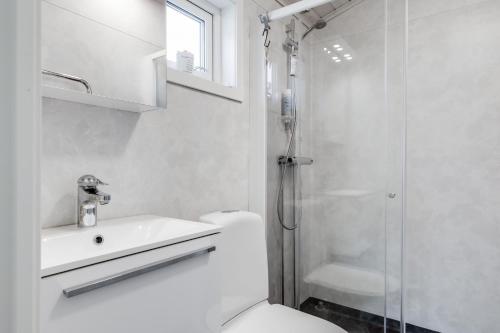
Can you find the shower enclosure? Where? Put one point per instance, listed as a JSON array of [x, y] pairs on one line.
[[382, 172]]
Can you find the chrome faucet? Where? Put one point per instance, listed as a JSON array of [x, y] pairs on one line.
[[88, 199]]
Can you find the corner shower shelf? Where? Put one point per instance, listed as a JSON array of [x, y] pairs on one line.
[[96, 100], [351, 279]]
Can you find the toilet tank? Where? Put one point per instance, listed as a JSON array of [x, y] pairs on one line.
[[243, 255]]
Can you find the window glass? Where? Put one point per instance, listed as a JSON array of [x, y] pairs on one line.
[[185, 32]]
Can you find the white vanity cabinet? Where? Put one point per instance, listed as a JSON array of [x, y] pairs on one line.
[[173, 289]]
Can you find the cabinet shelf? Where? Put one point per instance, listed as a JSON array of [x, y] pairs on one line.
[[96, 100]]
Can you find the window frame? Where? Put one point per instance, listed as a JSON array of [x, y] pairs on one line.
[[210, 16], [235, 89]]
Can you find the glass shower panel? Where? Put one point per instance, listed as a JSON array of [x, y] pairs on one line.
[[350, 256], [343, 262], [396, 146]]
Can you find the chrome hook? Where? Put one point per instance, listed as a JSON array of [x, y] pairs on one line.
[[265, 33], [264, 19]]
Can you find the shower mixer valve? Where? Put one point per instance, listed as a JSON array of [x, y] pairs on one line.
[[294, 160]]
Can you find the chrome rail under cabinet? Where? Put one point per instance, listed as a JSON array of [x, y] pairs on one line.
[[71, 78], [131, 273]]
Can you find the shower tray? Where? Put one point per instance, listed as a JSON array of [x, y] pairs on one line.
[[352, 279]]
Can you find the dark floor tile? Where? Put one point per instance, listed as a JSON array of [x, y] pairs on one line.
[[354, 321]]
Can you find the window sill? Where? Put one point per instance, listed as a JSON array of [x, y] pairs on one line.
[[197, 83]]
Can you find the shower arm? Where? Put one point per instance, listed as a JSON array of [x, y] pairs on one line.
[[289, 10]]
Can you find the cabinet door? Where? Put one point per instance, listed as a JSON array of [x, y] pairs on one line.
[[105, 53], [182, 296]]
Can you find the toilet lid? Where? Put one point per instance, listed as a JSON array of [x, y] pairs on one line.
[[266, 318]]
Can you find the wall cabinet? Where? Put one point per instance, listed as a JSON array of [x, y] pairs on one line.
[[109, 46]]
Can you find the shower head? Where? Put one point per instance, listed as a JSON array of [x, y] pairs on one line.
[[320, 24]]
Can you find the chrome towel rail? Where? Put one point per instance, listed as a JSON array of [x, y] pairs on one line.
[[69, 77], [118, 277]]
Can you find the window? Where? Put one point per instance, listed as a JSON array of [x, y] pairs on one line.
[[212, 31], [190, 27]]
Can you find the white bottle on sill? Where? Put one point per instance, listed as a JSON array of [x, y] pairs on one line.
[[185, 61]]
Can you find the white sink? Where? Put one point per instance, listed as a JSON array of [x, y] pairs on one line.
[[66, 248]]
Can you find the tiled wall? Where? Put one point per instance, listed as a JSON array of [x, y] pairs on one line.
[[454, 166], [182, 162], [281, 258], [276, 141]]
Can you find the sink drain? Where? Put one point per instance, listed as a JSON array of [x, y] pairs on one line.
[[98, 239]]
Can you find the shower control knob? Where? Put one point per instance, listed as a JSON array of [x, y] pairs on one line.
[[391, 195]]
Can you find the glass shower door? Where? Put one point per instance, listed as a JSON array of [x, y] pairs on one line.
[[351, 226], [343, 262]]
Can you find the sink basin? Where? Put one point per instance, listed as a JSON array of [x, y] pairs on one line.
[[69, 247]]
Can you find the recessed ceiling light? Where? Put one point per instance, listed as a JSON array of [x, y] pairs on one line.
[[329, 52], [339, 49], [347, 55], [349, 58], [336, 46], [335, 58], [325, 49], [338, 60]]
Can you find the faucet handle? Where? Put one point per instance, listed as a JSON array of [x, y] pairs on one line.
[[90, 181]]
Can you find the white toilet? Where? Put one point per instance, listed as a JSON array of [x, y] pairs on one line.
[[245, 309]]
